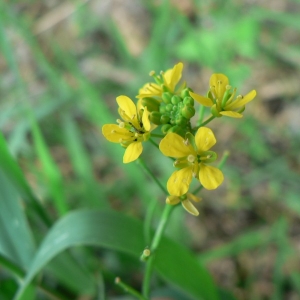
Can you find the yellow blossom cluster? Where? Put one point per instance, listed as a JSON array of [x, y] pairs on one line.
[[165, 105]]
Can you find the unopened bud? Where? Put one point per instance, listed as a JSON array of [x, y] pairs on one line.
[[164, 119], [166, 97], [188, 111], [165, 128], [155, 117], [176, 99]]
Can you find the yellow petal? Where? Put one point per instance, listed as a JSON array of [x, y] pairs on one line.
[[145, 119], [173, 76], [219, 82], [210, 177], [126, 104], [238, 103], [114, 133], [149, 90], [204, 139], [179, 182], [174, 145], [189, 207], [232, 114], [193, 197], [202, 100], [132, 152], [173, 200]]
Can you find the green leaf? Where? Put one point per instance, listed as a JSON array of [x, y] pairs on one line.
[[15, 175], [16, 241], [115, 231]]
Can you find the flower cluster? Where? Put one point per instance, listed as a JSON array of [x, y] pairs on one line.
[[166, 105]]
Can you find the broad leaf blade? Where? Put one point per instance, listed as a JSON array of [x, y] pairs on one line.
[[16, 241], [115, 231]]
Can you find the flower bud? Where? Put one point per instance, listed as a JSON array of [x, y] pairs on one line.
[[165, 128], [185, 92], [180, 120], [169, 107], [189, 101], [164, 119], [188, 112], [176, 99], [151, 103], [155, 117], [166, 97]]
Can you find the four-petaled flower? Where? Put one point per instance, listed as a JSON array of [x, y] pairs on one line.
[[165, 82], [185, 202], [131, 131], [191, 157], [222, 100]]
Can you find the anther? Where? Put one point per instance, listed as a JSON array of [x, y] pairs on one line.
[[122, 124], [239, 97], [152, 73], [186, 142], [228, 87]]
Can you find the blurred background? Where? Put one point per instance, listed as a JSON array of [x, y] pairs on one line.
[[62, 65]]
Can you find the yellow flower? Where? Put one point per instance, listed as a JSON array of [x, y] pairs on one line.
[[191, 157], [222, 100], [131, 131], [166, 82], [185, 202]]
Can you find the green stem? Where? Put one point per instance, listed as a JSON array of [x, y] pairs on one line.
[[153, 143], [128, 289], [201, 115], [206, 121], [154, 245], [142, 163], [157, 135]]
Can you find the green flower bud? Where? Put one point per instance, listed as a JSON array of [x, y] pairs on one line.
[[177, 129], [176, 99], [151, 103], [169, 107], [180, 121], [155, 117], [166, 97], [162, 109], [188, 101], [164, 119], [188, 111], [165, 128], [185, 92]]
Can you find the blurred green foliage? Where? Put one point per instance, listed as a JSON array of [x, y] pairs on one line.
[[63, 64]]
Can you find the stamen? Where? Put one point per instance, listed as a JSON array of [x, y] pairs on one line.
[[186, 142], [239, 97], [151, 73], [228, 87], [122, 124]]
